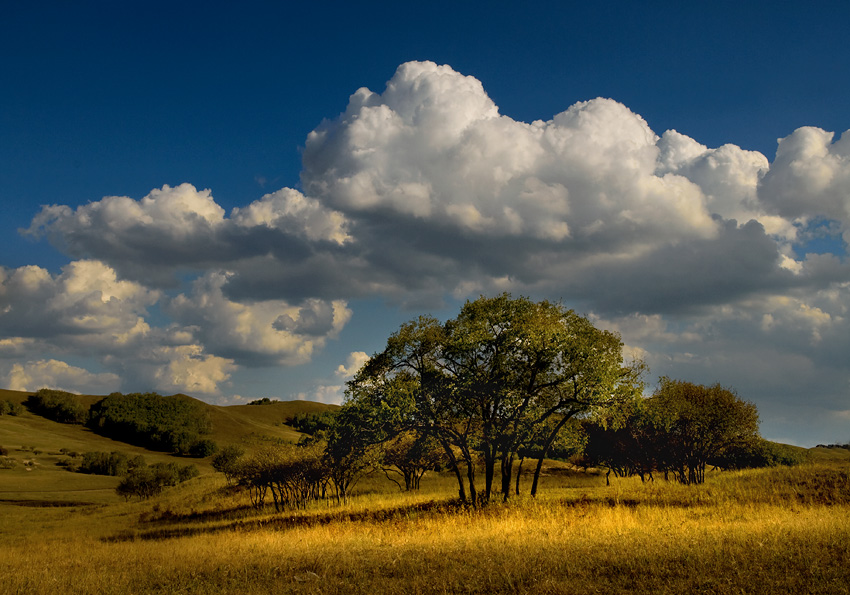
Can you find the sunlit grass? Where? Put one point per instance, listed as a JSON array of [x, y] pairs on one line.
[[769, 531]]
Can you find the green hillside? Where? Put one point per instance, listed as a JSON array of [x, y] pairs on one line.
[[38, 448]]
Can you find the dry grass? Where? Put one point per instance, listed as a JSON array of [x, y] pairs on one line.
[[770, 531]]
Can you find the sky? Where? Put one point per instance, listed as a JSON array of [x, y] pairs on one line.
[[244, 200]]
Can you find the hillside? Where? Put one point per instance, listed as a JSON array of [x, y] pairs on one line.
[[39, 446]]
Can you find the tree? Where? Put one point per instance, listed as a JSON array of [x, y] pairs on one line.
[[699, 423], [411, 455], [485, 383], [225, 461]]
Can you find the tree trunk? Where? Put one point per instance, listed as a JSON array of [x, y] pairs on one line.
[[549, 440], [507, 471], [456, 469], [518, 473]]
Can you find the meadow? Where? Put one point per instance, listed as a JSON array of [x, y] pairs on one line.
[[776, 530]]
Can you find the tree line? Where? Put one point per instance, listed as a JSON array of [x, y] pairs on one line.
[[176, 424]]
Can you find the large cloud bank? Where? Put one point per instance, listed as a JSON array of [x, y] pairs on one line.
[[696, 254]]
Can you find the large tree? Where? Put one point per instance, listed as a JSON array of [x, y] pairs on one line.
[[485, 383]]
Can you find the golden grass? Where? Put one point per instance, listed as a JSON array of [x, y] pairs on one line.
[[768, 531]]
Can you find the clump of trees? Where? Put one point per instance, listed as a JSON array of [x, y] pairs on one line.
[[263, 401], [146, 481], [57, 405], [226, 461], [505, 376], [679, 431], [312, 423], [294, 475], [176, 424], [108, 463]]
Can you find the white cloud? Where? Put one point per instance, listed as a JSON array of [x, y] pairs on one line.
[[352, 364], [293, 213], [190, 370], [810, 177], [86, 303], [268, 331], [34, 375]]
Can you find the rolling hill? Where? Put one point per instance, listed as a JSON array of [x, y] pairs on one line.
[[39, 447]]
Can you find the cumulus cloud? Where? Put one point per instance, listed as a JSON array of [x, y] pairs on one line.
[[86, 303], [352, 364], [810, 176], [174, 229], [34, 375], [262, 332]]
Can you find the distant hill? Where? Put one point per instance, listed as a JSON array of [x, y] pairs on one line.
[[39, 446], [233, 424]]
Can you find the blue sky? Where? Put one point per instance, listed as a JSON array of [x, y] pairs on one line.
[[228, 216]]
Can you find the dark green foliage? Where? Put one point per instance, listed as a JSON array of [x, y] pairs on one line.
[[844, 446], [172, 424], [759, 453], [680, 430], [145, 481], [226, 459], [312, 423], [104, 463], [57, 405], [203, 448], [263, 401], [8, 407], [696, 423]]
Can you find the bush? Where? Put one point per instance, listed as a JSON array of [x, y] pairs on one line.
[[760, 453], [8, 407], [57, 405], [148, 481], [203, 448], [263, 401], [4, 452]]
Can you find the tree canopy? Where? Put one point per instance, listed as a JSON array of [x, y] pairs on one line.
[[484, 384]]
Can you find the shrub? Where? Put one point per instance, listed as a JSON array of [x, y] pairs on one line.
[[147, 481], [263, 401], [203, 448], [4, 452], [760, 453], [8, 407], [312, 423]]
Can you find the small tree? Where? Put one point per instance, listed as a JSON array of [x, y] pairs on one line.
[[225, 461], [697, 424], [411, 455]]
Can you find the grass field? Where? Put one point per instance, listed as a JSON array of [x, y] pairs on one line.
[[780, 530]]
